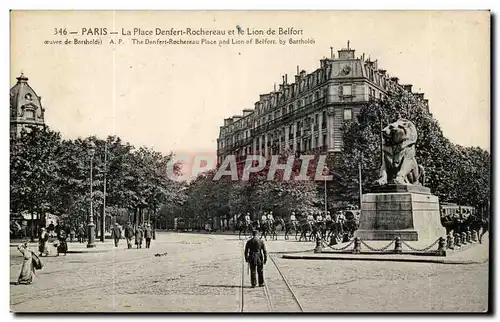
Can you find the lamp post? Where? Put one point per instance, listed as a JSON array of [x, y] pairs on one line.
[[360, 179], [326, 171], [103, 218], [91, 226]]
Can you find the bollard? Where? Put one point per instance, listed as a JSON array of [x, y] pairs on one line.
[[463, 241], [469, 238], [457, 239], [357, 246], [318, 248], [441, 246], [333, 240], [449, 241], [474, 236], [398, 249]]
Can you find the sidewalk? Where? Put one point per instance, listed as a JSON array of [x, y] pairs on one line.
[[74, 247]]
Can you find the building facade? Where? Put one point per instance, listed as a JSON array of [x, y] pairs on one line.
[[306, 116], [25, 107]]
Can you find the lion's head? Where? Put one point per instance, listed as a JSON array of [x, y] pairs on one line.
[[398, 132]]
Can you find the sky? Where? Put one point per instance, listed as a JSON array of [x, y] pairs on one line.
[[175, 97]]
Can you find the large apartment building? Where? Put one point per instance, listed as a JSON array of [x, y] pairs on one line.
[[25, 107], [306, 116]]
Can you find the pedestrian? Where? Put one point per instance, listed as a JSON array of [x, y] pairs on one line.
[[256, 257], [116, 234], [72, 234], [42, 242], [81, 234], [27, 270], [63, 245], [139, 234], [129, 234], [148, 234]]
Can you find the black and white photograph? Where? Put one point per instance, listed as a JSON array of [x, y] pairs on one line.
[[250, 161]]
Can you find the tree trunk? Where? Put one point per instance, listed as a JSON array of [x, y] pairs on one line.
[[32, 230]]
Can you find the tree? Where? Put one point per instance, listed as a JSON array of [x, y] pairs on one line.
[[34, 172], [445, 163]]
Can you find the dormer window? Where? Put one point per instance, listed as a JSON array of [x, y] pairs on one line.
[[30, 114], [28, 97]]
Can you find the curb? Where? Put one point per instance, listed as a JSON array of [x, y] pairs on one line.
[[392, 259]]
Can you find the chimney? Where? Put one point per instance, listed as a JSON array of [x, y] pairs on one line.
[[247, 112], [332, 56], [382, 72], [420, 96], [286, 78], [302, 73], [297, 69], [407, 87], [346, 54], [395, 80]]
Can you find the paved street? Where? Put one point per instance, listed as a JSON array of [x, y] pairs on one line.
[[201, 272]]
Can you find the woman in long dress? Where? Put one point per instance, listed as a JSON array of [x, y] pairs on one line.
[[42, 243], [27, 270]]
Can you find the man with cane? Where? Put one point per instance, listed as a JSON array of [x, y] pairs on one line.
[[256, 257]]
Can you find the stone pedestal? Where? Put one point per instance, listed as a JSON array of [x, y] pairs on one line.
[[410, 212]]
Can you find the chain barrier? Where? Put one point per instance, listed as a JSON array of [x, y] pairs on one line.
[[341, 248], [382, 248], [377, 249], [420, 250]]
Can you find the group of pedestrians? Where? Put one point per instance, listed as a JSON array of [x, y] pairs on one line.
[[140, 233]]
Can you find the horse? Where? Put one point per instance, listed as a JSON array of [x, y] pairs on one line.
[[304, 228], [244, 227], [269, 228], [288, 227]]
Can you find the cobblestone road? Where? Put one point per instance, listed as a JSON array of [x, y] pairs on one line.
[[203, 273]]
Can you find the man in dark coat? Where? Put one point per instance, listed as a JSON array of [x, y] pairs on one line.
[[148, 234], [129, 234], [116, 233], [62, 248], [81, 234], [139, 235], [256, 257]]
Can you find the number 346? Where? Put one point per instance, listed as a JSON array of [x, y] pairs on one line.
[[60, 31]]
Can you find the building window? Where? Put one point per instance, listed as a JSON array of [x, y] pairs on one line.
[[324, 140], [346, 90], [347, 114], [30, 114], [316, 142]]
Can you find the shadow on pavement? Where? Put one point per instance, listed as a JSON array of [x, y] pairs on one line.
[[225, 286]]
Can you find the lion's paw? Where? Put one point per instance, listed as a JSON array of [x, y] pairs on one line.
[[400, 180]]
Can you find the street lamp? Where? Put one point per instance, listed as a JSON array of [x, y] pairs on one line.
[[91, 226], [326, 171]]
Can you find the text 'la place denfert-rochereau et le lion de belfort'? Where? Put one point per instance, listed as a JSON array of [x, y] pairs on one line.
[[259, 36]]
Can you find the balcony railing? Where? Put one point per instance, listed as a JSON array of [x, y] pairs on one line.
[[271, 124]]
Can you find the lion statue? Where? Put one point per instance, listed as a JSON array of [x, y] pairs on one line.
[[399, 165]]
